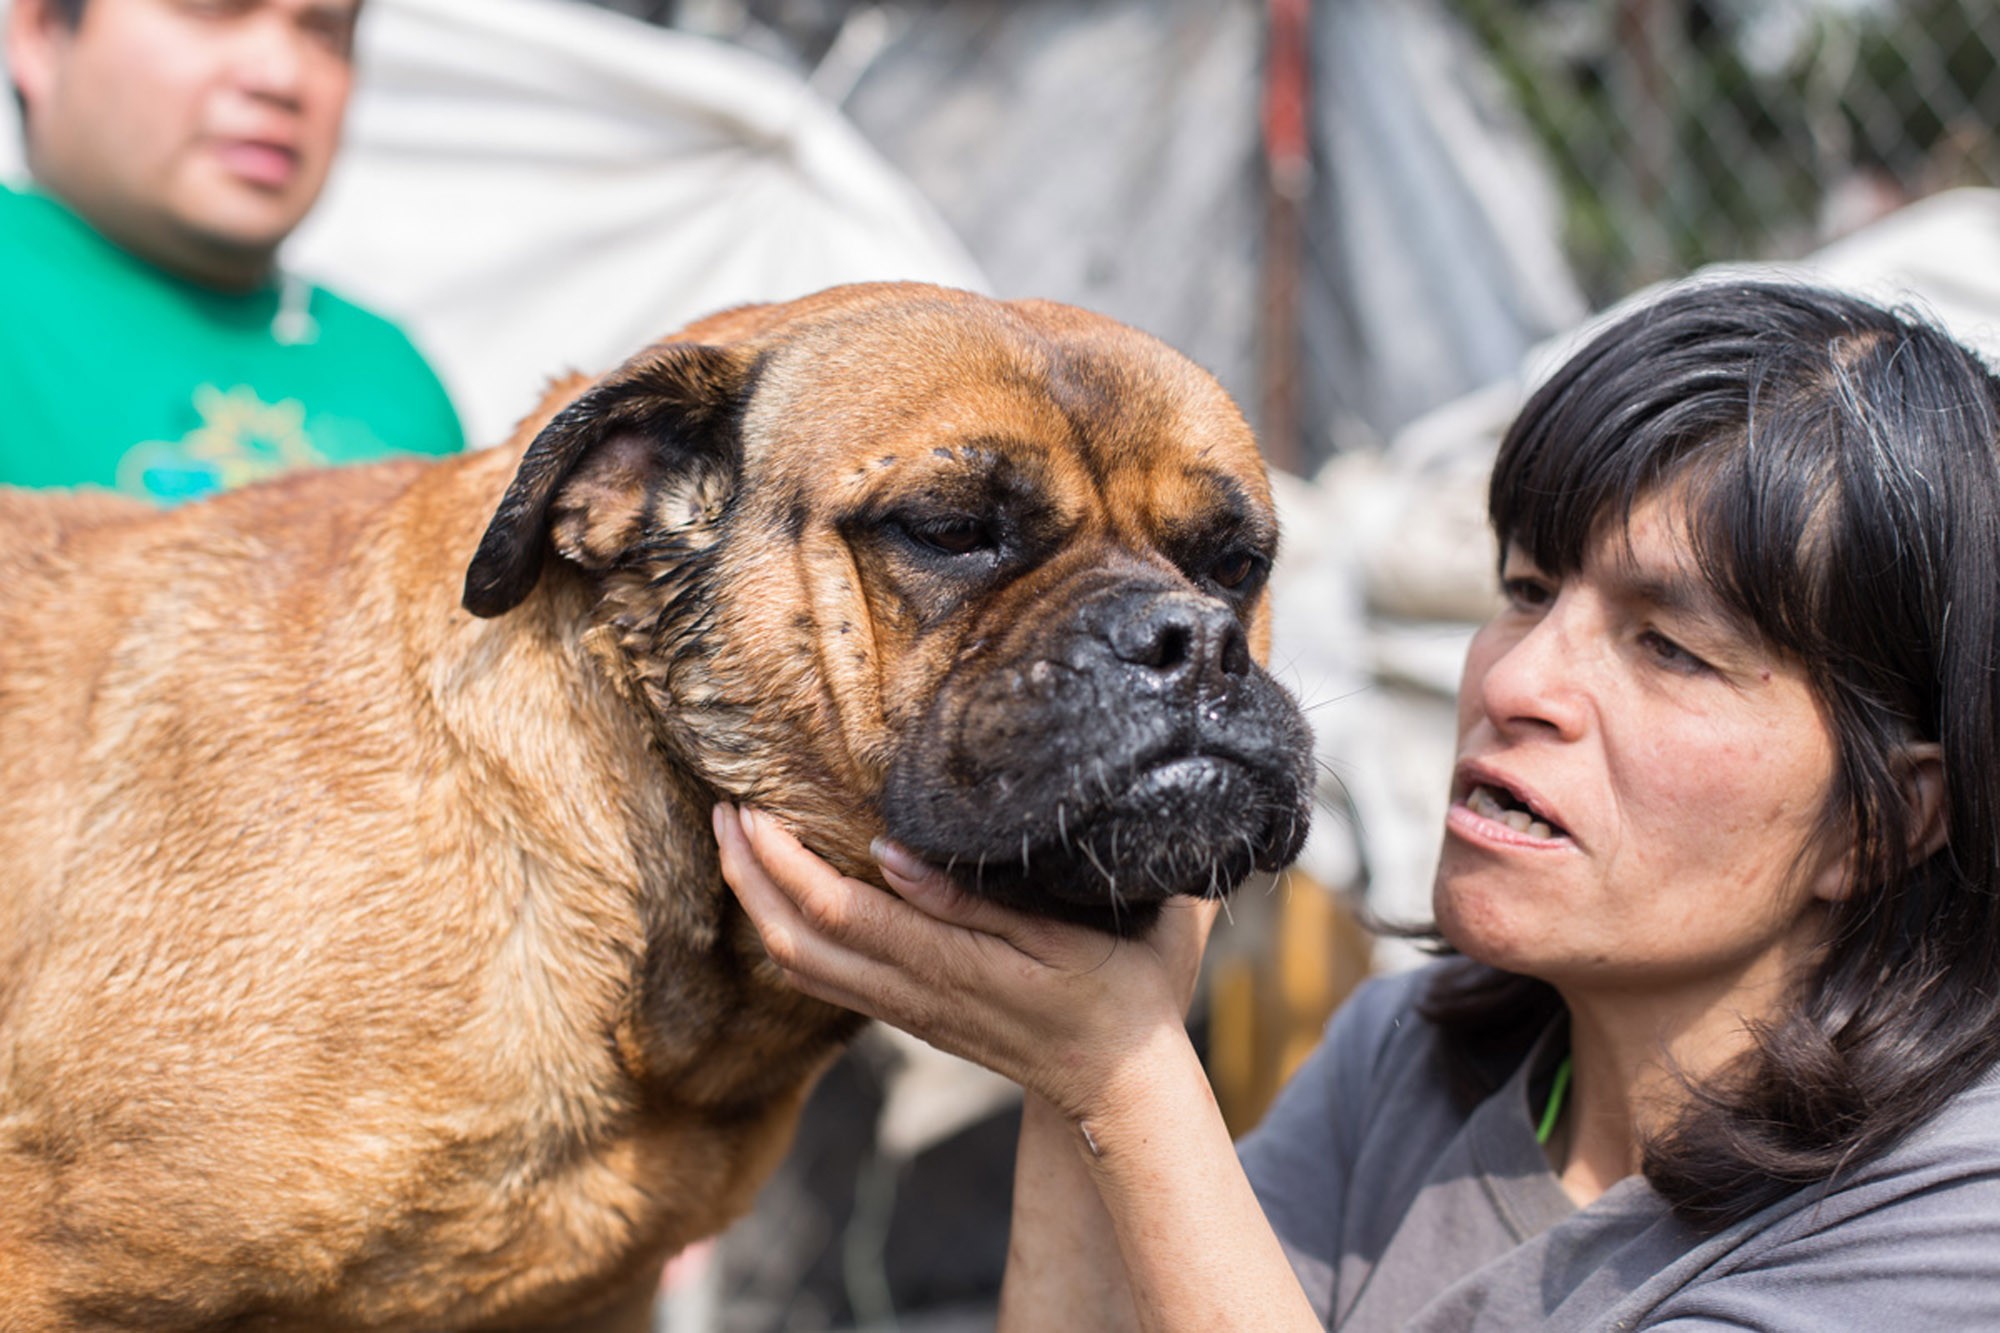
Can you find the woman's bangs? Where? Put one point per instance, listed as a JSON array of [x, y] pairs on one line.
[[1750, 479], [1760, 517], [1583, 462]]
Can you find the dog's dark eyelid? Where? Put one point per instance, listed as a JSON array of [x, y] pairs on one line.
[[1237, 570], [947, 534], [957, 536]]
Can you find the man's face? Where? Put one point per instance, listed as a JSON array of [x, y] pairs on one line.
[[195, 132]]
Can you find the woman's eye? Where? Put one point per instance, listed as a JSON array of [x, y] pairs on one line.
[[1526, 594], [1233, 570], [1670, 654]]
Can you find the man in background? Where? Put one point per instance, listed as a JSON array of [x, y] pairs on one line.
[[148, 340]]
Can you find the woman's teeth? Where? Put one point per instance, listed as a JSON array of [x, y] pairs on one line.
[[1483, 802]]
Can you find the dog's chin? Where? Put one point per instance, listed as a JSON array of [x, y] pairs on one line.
[[1194, 826]]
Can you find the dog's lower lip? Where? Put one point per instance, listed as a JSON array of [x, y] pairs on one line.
[[1156, 797], [1184, 766], [1183, 773]]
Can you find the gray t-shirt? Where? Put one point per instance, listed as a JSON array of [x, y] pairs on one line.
[[1402, 1211]]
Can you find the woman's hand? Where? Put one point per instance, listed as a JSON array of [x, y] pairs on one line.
[[1130, 1209], [1064, 1011]]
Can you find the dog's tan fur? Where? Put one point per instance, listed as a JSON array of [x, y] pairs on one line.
[[364, 963]]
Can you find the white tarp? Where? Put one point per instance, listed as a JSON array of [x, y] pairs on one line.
[[533, 186]]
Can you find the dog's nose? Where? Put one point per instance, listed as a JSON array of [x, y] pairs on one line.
[[1181, 638]]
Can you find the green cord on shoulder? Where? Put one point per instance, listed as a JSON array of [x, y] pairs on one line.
[[1553, 1111]]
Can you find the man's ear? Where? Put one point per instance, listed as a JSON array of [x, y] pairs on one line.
[[591, 480], [36, 33]]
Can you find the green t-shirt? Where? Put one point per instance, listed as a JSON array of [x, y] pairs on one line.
[[118, 374]]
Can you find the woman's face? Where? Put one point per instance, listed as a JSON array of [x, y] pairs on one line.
[[1639, 782]]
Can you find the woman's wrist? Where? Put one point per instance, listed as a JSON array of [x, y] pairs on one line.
[[1154, 1076], [1195, 1250]]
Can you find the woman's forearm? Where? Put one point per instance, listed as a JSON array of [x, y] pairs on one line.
[[1140, 1215], [1063, 1265]]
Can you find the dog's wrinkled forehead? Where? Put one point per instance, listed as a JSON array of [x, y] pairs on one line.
[[1044, 396]]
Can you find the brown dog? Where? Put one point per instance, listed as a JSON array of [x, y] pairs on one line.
[[365, 964]]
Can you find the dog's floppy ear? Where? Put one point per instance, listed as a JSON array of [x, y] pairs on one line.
[[667, 411]]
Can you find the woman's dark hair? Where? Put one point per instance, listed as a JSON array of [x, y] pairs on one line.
[[1837, 467]]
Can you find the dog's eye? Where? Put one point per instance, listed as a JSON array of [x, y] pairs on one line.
[[952, 536], [1235, 568]]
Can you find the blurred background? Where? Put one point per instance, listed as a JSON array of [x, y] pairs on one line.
[[1375, 220]]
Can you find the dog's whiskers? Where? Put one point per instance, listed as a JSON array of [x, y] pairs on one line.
[[1109, 878]]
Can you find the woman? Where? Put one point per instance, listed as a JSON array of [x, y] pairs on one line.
[[1721, 869]]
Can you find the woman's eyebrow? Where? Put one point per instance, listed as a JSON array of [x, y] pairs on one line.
[[1678, 591], [1683, 592]]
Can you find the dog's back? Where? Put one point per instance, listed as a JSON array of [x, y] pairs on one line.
[[104, 604], [270, 990], [134, 672]]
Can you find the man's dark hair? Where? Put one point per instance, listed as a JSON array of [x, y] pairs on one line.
[[1836, 467]]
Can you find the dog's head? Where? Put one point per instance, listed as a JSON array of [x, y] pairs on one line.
[[988, 577]]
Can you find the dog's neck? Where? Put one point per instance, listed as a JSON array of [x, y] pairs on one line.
[[620, 872]]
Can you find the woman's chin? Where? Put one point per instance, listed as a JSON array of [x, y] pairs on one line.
[[1486, 934]]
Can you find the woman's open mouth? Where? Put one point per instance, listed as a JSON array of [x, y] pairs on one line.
[[1503, 807]]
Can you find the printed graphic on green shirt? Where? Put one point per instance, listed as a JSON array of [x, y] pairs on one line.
[[241, 439]]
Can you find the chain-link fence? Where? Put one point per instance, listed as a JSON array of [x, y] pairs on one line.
[[1684, 131]]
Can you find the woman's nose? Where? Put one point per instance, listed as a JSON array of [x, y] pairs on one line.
[[1531, 677]]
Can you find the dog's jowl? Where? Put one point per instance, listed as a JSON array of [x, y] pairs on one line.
[[364, 961]]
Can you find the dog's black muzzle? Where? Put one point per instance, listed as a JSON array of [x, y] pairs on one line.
[[1137, 753]]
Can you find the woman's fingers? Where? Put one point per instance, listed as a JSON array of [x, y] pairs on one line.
[[918, 881], [819, 893], [932, 891], [830, 905], [1055, 1007], [825, 928], [788, 939], [926, 887], [801, 907], [849, 943], [762, 857]]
